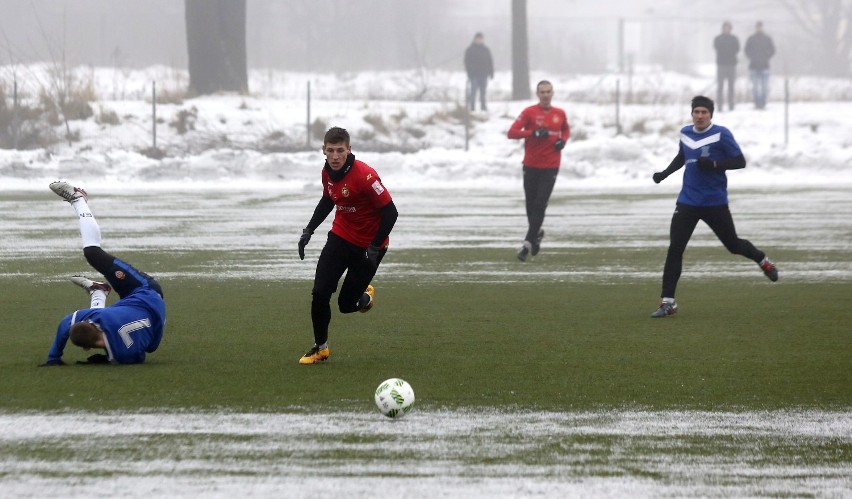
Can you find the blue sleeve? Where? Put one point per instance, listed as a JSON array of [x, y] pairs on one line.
[[730, 147], [61, 339]]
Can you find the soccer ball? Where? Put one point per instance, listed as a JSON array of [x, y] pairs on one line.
[[394, 397]]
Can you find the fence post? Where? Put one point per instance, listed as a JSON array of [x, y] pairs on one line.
[[154, 112], [786, 111], [15, 123], [618, 106], [308, 122]]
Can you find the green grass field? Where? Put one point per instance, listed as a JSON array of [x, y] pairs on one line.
[[468, 326]]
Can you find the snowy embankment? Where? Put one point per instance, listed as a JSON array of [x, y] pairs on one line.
[[410, 127]]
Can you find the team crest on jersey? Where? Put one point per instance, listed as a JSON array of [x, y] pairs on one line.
[[119, 274], [345, 191], [556, 120]]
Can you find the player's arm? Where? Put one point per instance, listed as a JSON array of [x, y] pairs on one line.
[[389, 214], [676, 164], [323, 208], [519, 129], [54, 356]]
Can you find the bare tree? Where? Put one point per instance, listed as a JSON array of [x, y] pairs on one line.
[[520, 51], [216, 46], [829, 24]]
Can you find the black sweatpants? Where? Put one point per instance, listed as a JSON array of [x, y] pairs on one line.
[[684, 220], [123, 277], [538, 186], [339, 256]]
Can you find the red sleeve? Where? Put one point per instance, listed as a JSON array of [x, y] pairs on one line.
[[519, 129], [566, 129]]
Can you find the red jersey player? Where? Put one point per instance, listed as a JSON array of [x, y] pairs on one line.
[[545, 131], [358, 239]]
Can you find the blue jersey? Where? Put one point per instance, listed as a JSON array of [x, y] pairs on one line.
[[705, 187], [132, 326]]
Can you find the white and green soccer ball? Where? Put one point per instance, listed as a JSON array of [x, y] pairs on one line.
[[394, 398]]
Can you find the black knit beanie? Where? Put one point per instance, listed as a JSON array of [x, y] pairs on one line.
[[701, 101]]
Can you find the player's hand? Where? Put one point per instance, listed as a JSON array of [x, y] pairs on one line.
[[97, 358], [559, 145], [659, 177], [303, 241], [52, 363], [540, 132], [373, 255], [706, 163]]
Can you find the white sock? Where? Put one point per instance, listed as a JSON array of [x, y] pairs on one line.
[[98, 297], [323, 346], [89, 229], [668, 300]]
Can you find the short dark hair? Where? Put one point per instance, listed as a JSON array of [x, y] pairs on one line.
[[702, 101], [542, 82], [84, 334], [336, 135]]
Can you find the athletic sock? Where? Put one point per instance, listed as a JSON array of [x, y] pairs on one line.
[[98, 297], [323, 346], [668, 300], [89, 229]]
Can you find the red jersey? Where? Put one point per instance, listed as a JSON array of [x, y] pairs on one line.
[[539, 152], [358, 199]]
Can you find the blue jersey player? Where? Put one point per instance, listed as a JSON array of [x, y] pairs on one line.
[[706, 151], [127, 329]]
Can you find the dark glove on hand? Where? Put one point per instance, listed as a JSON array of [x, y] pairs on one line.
[[559, 145], [373, 255], [97, 358], [706, 164], [541, 132], [52, 363], [303, 241], [659, 177]]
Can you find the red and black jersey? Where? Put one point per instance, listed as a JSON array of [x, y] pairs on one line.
[[539, 152], [358, 197]]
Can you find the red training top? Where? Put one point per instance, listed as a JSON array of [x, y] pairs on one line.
[[539, 152], [358, 198]]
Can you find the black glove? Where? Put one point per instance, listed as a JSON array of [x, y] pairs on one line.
[[559, 145], [659, 177], [303, 241], [706, 163], [541, 132], [97, 358], [373, 255], [52, 363]]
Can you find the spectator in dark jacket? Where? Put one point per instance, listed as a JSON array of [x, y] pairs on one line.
[[759, 49], [727, 46], [479, 67]]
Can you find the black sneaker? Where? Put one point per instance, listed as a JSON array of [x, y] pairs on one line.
[[666, 309], [524, 251], [769, 269], [536, 245]]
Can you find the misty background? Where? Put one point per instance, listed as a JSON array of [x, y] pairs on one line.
[[565, 36]]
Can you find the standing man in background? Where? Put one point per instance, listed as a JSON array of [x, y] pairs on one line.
[[479, 67], [759, 49], [727, 46], [545, 131]]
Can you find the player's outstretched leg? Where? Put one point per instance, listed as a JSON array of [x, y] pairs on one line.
[[98, 291]]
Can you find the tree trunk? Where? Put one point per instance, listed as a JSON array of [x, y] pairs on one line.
[[520, 52], [216, 45]]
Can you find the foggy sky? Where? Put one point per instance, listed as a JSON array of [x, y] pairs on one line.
[[565, 36]]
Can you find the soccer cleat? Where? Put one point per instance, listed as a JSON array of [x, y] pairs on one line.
[[524, 251], [371, 292], [536, 245], [666, 309], [90, 285], [769, 269], [315, 355], [67, 191]]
